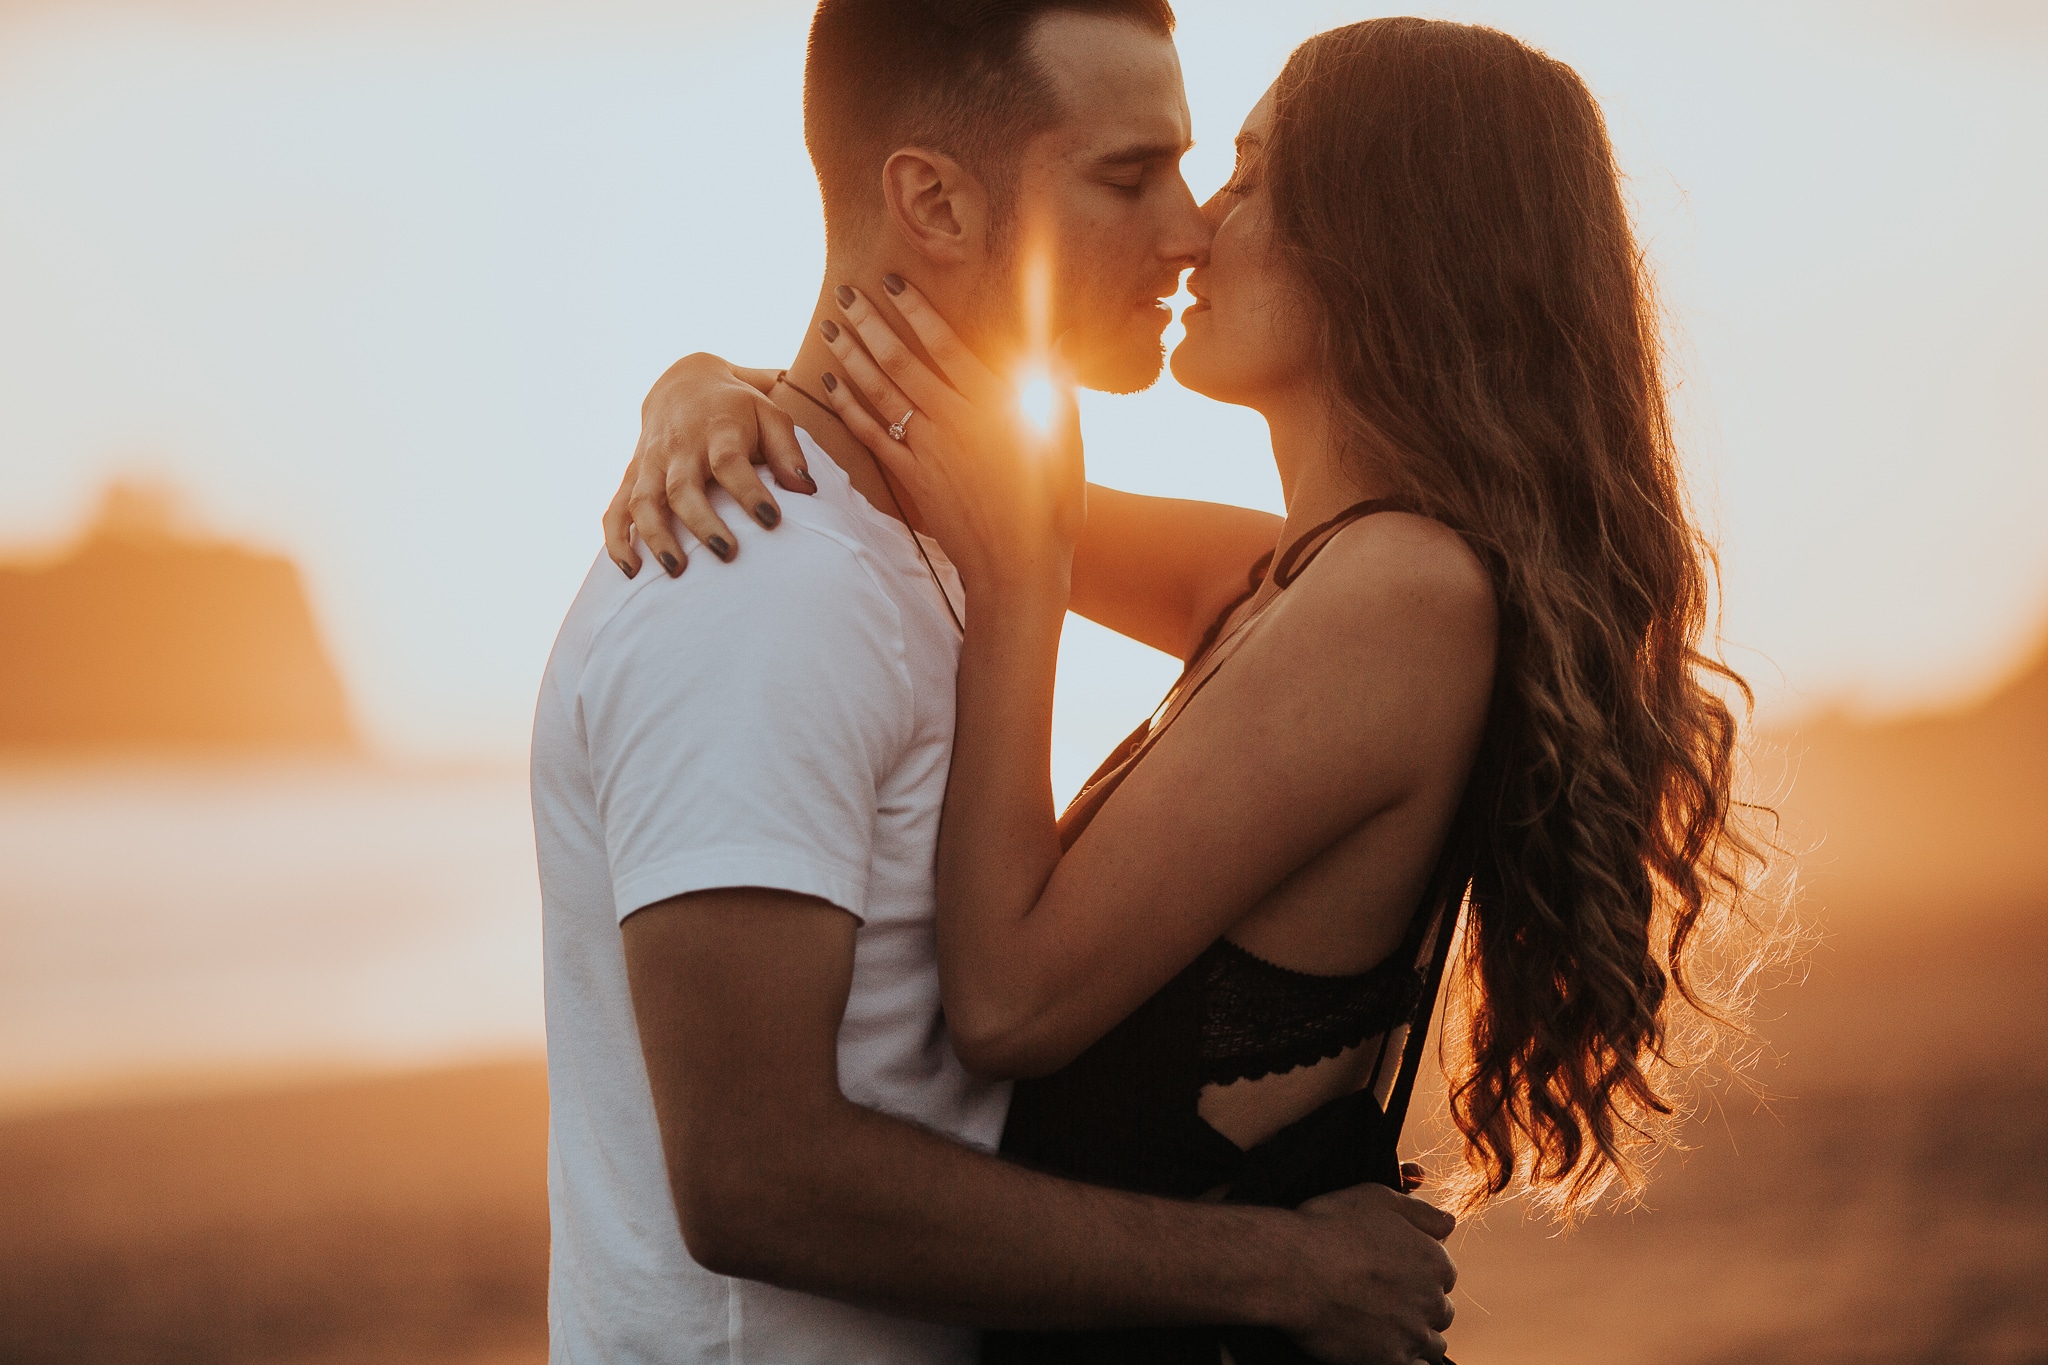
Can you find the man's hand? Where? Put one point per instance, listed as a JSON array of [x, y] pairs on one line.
[[704, 422], [1377, 1278]]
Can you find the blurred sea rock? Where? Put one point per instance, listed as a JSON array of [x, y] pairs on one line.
[[143, 635]]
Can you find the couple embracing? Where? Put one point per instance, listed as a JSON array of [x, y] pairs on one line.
[[859, 1051]]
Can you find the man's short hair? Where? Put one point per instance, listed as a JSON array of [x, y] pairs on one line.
[[955, 76]]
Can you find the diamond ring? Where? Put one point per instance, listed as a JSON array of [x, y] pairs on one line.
[[896, 431]]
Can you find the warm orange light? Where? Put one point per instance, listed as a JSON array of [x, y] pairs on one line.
[[1034, 379]]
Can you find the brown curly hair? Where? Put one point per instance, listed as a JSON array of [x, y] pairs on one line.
[[1448, 200]]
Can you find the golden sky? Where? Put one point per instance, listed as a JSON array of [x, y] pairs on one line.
[[382, 285]]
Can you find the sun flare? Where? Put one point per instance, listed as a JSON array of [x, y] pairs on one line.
[[1034, 380], [1034, 398]]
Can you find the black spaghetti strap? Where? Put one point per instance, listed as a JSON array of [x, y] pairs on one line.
[[1303, 552], [1449, 911]]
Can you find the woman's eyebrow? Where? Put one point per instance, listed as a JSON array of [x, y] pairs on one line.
[[1245, 140]]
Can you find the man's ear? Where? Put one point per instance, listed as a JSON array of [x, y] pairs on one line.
[[939, 208]]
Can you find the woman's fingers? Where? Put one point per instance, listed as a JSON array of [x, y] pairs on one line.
[[730, 457], [926, 390], [685, 497], [959, 366], [779, 447], [670, 475], [867, 378], [618, 528], [649, 506], [895, 455]]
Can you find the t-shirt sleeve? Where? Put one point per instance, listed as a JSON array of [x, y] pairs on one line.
[[740, 720]]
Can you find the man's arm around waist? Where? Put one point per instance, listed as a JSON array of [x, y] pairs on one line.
[[778, 1177]]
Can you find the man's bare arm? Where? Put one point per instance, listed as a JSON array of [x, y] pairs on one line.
[[1160, 569], [778, 1177]]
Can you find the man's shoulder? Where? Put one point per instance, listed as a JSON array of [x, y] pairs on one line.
[[780, 582], [797, 606], [779, 578]]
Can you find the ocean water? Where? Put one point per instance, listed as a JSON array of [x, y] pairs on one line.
[[161, 923]]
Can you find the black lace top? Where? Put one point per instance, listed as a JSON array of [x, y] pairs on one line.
[[1260, 1019], [1125, 1112]]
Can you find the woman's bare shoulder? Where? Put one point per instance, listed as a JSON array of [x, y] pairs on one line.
[[1402, 572]]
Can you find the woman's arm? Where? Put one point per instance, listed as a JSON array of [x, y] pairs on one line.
[[1363, 690], [1155, 569]]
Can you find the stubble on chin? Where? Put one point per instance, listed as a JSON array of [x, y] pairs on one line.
[[1122, 364]]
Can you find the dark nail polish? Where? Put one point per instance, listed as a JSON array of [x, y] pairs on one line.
[[627, 569], [720, 548], [831, 382], [768, 515], [844, 295], [830, 329], [893, 283], [668, 561], [805, 475]]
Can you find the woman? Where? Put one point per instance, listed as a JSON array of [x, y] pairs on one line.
[[1472, 665]]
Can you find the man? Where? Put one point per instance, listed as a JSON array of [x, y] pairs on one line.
[[762, 1146]]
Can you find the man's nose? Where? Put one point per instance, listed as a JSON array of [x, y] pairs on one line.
[[1186, 240]]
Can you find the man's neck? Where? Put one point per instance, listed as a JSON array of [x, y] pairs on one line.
[[805, 398]]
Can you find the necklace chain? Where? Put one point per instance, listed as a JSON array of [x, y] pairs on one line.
[[916, 540]]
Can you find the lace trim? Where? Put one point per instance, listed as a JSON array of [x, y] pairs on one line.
[[1261, 1019]]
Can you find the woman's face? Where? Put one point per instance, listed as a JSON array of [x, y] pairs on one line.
[[1247, 341]]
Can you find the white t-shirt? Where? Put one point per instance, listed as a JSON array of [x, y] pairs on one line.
[[782, 721]]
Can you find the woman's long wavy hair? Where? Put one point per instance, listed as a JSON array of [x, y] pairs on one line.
[[1448, 201]]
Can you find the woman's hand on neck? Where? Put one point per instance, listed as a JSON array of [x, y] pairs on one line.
[[806, 405]]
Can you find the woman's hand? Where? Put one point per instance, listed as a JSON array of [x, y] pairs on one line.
[[1004, 494], [703, 422]]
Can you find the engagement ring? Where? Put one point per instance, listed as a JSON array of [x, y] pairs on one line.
[[896, 431]]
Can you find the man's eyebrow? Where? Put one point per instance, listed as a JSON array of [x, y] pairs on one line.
[[1146, 151]]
